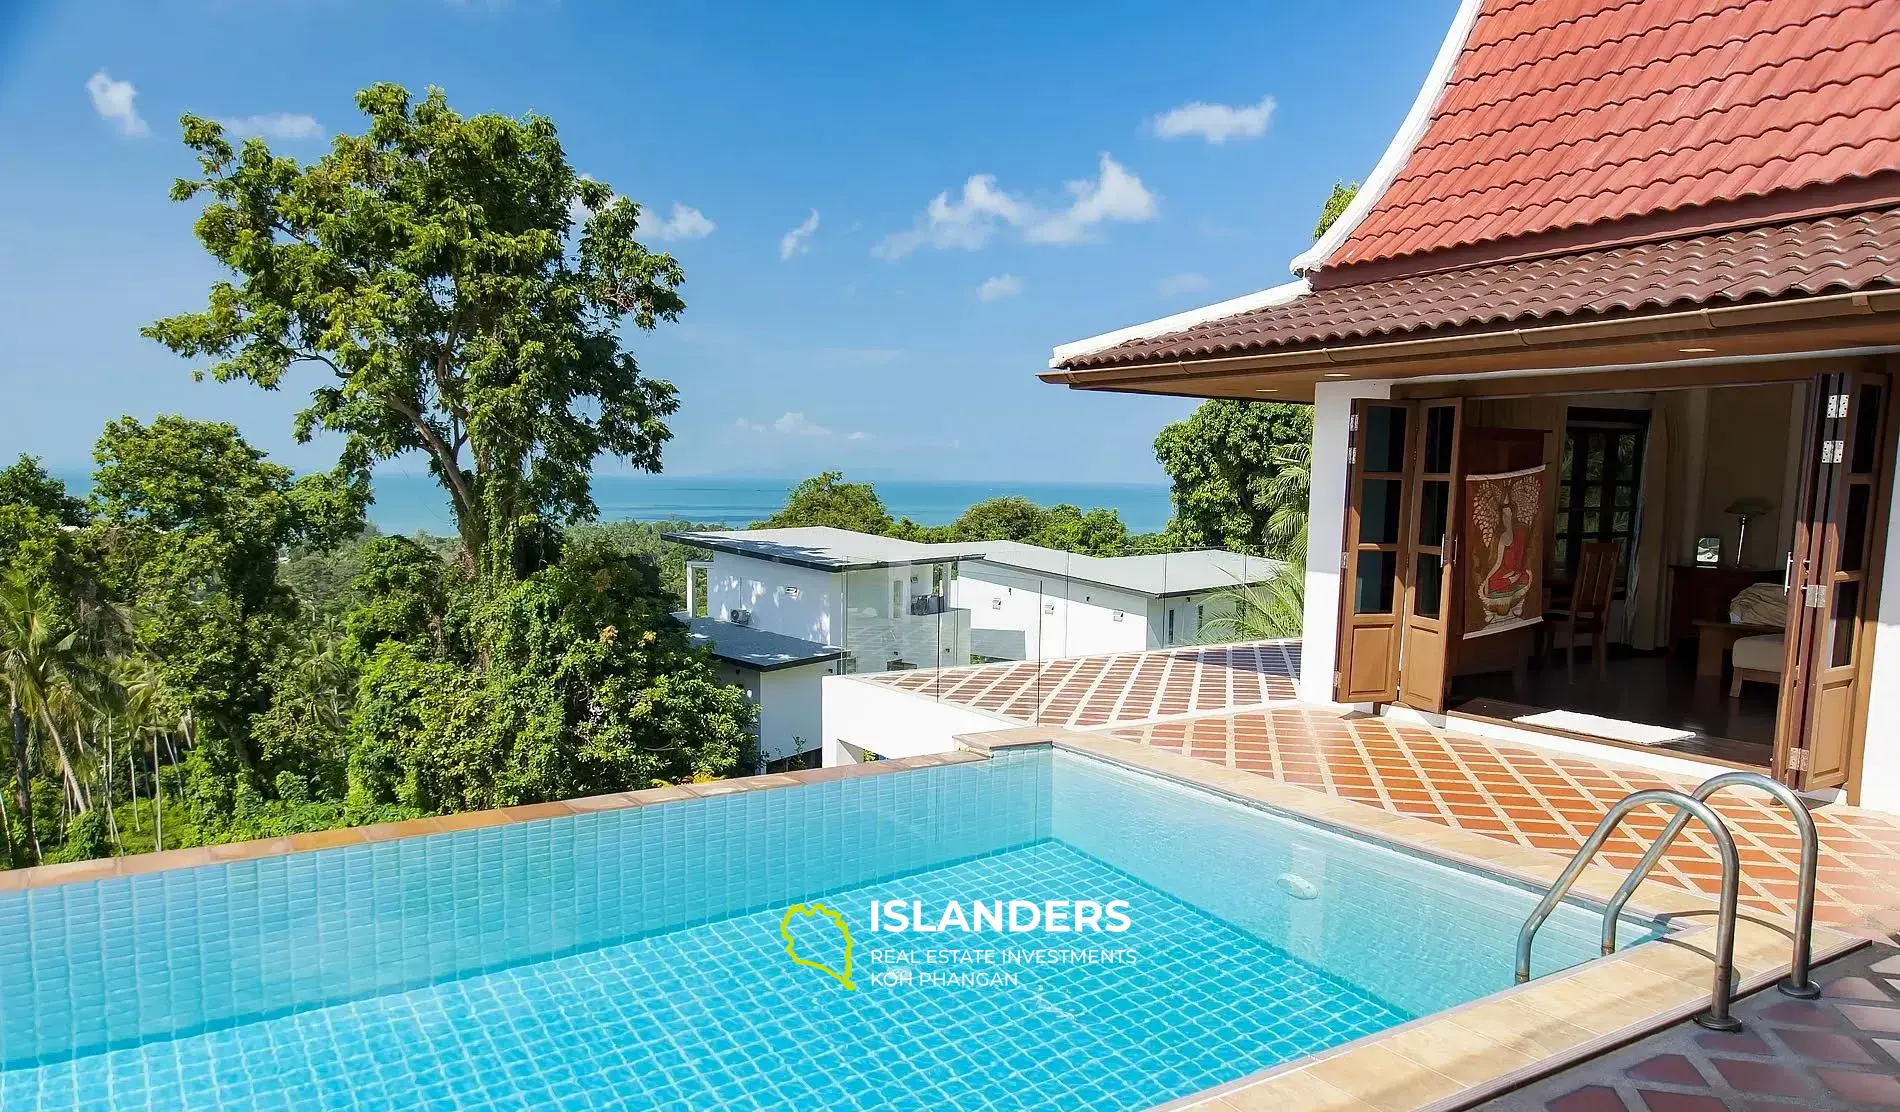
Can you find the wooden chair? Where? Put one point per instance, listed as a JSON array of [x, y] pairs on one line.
[[1588, 610]]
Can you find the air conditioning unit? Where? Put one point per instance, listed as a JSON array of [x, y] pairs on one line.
[[739, 616]]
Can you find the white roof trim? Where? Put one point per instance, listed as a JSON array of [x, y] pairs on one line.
[[1402, 143], [1180, 322]]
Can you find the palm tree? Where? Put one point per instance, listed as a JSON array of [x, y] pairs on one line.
[[47, 675], [1272, 608], [142, 690], [1288, 492], [33, 654]]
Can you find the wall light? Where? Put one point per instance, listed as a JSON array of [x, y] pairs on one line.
[[1337, 374], [1696, 351]]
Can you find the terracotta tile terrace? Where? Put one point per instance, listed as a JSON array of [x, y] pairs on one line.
[[1235, 705], [1552, 801], [1081, 692]]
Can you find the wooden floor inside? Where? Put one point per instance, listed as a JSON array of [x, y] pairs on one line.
[[1654, 690]]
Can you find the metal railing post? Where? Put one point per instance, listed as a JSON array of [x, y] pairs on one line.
[[1798, 983], [1717, 1018]]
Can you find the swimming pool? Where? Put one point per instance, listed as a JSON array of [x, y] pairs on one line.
[[638, 957]]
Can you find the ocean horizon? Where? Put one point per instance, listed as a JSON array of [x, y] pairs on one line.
[[407, 503]]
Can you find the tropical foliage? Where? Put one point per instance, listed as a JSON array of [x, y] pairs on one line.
[[208, 647], [829, 499]]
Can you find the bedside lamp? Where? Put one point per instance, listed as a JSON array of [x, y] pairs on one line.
[[1743, 509]]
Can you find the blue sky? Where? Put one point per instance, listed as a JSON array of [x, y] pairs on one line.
[[892, 338]]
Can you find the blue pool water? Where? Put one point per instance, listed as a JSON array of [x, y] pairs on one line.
[[634, 959]]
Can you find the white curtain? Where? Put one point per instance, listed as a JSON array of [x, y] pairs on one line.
[[1643, 604]]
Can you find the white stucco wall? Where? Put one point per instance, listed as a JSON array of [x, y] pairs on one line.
[[1055, 616], [791, 709], [767, 589], [1326, 530], [860, 714], [1880, 763]]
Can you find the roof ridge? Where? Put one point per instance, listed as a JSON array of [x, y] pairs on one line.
[[1602, 44], [1698, 176], [1528, 152], [1830, 48]]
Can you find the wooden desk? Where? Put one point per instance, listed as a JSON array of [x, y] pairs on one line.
[[1714, 639]]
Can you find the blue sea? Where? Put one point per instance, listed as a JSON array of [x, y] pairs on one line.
[[406, 503]]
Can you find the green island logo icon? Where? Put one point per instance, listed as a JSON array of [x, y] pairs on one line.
[[807, 911]]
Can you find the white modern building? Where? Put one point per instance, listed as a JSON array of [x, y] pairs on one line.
[[893, 604], [780, 609], [883, 602], [781, 676], [1027, 602]]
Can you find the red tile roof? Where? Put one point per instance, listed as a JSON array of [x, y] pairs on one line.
[[1806, 258], [1562, 114]]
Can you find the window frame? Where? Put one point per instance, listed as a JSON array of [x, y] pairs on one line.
[[1574, 485]]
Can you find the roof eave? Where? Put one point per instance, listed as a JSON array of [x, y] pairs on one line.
[[1281, 294], [1370, 354]]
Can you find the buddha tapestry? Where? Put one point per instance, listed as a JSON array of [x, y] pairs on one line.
[[1504, 537]]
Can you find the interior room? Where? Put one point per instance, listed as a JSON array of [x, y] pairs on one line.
[[1664, 549]]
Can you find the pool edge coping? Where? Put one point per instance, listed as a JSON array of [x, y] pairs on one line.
[[1445, 1060], [137, 864], [1453, 1058]]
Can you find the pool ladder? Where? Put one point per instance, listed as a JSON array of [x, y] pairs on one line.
[[1694, 805]]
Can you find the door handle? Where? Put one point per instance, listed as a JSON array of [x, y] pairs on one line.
[[1787, 573]]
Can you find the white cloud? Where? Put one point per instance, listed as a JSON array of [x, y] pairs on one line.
[[1175, 284], [792, 423], [982, 210], [858, 436], [1216, 123], [113, 101], [275, 125], [1115, 195], [798, 240], [685, 222], [999, 287]]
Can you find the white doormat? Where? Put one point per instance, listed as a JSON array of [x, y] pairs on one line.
[[1615, 729]]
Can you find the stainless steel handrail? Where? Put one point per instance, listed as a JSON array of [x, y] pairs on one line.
[[1797, 983], [1717, 1018]]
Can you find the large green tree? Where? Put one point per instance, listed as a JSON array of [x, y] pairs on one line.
[[429, 270], [38, 520], [827, 499], [194, 523], [1223, 460], [573, 681]]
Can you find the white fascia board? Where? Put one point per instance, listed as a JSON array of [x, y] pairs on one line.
[[1400, 149], [1180, 322]]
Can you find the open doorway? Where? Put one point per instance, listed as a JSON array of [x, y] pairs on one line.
[[1669, 533], [1687, 569]]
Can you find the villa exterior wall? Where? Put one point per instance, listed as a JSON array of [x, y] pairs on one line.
[[863, 716], [1880, 761], [791, 709], [1326, 530], [1050, 616], [783, 598]]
